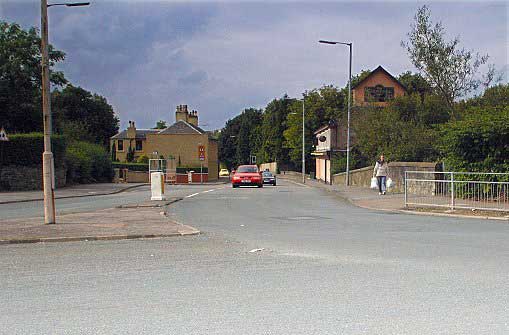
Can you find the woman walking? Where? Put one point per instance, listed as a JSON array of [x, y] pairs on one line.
[[381, 172]]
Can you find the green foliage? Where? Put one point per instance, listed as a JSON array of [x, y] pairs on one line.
[[240, 138], [449, 69], [130, 155], [380, 131], [27, 149], [161, 124], [83, 116], [321, 106], [415, 84], [88, 162], [20, 78], [478, 142], [130, 166], [143, 159], [273, 125]]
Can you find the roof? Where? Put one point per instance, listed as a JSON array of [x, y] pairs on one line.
[[179, 127], [182, 127], [379, 69], [140, 133], [331, 124]]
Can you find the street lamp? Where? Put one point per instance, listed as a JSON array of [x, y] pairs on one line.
[[349, 108], [48, 165], [303, 139]]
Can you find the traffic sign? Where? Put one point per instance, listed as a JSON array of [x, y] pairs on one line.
[[3, 135], [201, 152]]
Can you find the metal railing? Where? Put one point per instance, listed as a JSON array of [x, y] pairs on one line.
[[457, 190]]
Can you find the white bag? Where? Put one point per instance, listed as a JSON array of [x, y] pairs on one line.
[[374, 183], [390, 183]]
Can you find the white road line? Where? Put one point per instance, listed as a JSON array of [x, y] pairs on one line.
[[208, 191], [192, 195]]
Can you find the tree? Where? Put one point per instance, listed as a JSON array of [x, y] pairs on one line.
[[321, 106], [240, 138], [415, 83], [451, 71], [20, 77], [161, 124], [272, 128], [90, 113]]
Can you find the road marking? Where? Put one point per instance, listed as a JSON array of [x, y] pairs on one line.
[[208, 191], [192, 195]]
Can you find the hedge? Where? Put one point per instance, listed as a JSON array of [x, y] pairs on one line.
[[130, 166], [88, 162], [27, 149]]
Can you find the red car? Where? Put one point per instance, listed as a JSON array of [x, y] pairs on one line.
[[247, 175]]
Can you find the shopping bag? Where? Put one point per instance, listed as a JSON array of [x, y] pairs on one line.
[[390, 183], [374, 183]]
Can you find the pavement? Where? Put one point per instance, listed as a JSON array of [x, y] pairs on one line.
[[392, 202], [147, 220]]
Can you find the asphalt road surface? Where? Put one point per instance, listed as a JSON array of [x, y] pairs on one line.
[[87, 204], [323, 267]]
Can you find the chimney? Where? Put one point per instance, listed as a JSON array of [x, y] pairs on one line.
[[193, 118], [181, 113], [131, 130]]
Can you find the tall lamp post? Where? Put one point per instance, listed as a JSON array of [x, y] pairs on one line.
[[48, 165], [303, 138], [349, 108]]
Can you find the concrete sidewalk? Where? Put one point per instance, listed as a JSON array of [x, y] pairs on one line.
[[146, 221], [370, 199], [75, 191]]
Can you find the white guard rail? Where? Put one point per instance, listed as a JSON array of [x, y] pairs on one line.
[[457, 190]]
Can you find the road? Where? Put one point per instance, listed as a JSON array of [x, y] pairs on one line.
[[325, 267], [87, 204]]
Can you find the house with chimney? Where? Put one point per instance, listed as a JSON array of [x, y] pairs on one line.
[[184, 142]]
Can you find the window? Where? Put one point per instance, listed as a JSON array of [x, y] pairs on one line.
[[139, 145], [378, 93], [120, 145], [247, 169]]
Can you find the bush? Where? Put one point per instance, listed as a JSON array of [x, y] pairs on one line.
[[88, 162], [143, 159], [27, 149], [478, 142], [131, 166]]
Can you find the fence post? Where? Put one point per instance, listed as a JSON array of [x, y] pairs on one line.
[[405, 186], [452, 190]]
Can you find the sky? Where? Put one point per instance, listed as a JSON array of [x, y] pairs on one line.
[[219, 58]]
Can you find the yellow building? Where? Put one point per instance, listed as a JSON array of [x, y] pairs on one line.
[[184, 141]]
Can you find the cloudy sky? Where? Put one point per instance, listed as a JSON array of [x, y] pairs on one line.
[[148, 57]]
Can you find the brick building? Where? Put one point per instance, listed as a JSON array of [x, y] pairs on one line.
[[181, 141]]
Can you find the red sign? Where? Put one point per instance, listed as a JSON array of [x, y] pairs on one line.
[[201, 152]]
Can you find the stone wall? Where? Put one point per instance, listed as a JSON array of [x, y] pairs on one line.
[[27, 178], [362, 177], [271, 166]]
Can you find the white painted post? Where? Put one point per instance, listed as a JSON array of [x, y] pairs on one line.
[[157, 186]]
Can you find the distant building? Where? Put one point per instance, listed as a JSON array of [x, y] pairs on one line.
[[377, 89], [184, 141], [327, 142]]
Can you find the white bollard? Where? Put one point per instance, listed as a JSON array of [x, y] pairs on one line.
[[157, 186]]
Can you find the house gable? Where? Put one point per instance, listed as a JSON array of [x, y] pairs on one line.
[[377, 88]]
